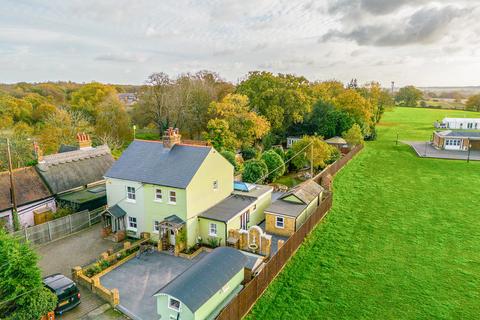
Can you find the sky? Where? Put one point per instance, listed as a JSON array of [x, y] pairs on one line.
[[419, 42]]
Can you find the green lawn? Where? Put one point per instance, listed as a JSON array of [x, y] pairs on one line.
[[402, 240]]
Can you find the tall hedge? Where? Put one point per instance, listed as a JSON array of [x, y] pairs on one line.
[[254, 171], [275, 165]]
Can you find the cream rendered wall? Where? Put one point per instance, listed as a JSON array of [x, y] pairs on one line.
[[200, 193]]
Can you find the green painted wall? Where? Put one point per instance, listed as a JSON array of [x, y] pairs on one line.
[[312, 206], [203, 230], [165, 312], [208, 307], [200, 192], [159, 210], [293, 198]]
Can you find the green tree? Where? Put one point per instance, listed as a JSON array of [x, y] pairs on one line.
[[302, 149], [89, 97], [275, 165], [249, 152], [23, 296], [408, 96], [254, 171], [354, 135], [218, 134], [473, 103], [230, 156], [282, 99]]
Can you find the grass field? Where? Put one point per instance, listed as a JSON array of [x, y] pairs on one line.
[[402, 240]]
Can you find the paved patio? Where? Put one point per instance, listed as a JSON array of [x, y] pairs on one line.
[[426, 150], [275, 238], [138, 279]]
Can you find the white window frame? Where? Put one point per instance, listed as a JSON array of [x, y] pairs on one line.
[[277, 219], [173, 308], [215, 185], [210, 233], [156, 198], [130, 221], [170, 197], [131, 191], [156, 223]]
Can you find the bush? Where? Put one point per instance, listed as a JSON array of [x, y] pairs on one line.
[[254, 170], [279, 150], [275, 165], [249, 153], [353, 136], [335, 155], [230, 156], [289, 167]]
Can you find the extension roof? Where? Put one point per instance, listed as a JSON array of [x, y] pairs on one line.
[[69, 170], [29, 187], [204, 279], [228, 208], [458, 134], [150, 162], [305, 191]]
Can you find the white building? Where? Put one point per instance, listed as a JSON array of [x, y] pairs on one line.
[[459, 123], [291, 141]]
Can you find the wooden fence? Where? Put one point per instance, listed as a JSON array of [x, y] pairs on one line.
[[244, 301]]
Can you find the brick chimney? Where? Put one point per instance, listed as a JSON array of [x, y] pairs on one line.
[[171, 137], [84, 141]]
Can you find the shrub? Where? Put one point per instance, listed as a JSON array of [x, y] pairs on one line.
[[275, 165], [279, 150], [249, 153], [254, 170], [354, 135], [230, 156]]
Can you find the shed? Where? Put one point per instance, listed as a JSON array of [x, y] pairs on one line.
[[288, 213], [337, 142], [202, 289], [86, 199]]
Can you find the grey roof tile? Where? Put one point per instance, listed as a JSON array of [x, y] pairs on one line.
[[228, 208], [150, 162]]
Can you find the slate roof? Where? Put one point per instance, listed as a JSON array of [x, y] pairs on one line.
[[150, 162], [286, 208], [458, 134], [205, 278], [116, 211], [306, 191], [73, 169], [228, 208], [29, 187]]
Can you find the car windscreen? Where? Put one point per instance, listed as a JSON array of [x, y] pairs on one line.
[[66, 292]]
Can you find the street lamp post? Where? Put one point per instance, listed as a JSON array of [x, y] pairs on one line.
[[469, 147]]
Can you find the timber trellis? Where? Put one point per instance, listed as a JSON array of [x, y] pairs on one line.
[[59, 228], [244, 301]]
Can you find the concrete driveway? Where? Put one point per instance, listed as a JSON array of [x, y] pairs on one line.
[[426, 150], [75, 250], [138, 279]]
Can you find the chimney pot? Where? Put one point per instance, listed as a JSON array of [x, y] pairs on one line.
[[171, 137], [84, 141]]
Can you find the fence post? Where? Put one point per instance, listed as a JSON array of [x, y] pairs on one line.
[[89, 220], [49, 231], [26, 234], [70, 222]]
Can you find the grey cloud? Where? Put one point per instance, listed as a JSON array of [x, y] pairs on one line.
[[424, 26], [118, 58], [376, 7]]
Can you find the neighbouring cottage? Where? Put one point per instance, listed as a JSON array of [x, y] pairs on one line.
[[34, 200], [287, 214], [459, 123], [75, 175], [161, 187], [239, 211], [201, 291], [456, 140]]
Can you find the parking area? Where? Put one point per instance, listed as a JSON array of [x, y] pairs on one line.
[[138, 279], [425, 150], [75, 250]]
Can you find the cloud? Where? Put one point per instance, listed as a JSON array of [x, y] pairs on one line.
[[125, 57], [375, 7], [426, 25]]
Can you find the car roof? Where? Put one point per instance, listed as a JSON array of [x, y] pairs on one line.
[[57, 281]]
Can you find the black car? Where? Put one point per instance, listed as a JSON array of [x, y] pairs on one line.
[[66, 291]]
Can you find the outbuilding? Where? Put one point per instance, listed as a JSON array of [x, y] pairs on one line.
[[287, 214], [201, 291], [456, 140]]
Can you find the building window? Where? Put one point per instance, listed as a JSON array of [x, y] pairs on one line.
[[131, 194], [279, 222], [158, 195], [173, 197], [174, 304], [215, 185], [132, 222], [212, 230], [156, 226], [470, 125]]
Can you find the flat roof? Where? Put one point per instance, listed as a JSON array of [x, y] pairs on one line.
[[255, 191], [85, 195], [228, 208]]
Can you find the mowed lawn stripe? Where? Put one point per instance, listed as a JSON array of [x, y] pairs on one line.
[[401, 241]]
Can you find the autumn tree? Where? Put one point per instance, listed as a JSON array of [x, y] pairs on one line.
[[353, 136], [89, 97], [473, 103], [112, 126], [408, 96], [246, 125], [283, 99], [308, 145], [218, 134]]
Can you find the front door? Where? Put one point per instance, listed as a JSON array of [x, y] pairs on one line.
[[171, 234]]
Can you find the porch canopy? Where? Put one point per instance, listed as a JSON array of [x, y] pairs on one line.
[[172, 222], [114, 217]]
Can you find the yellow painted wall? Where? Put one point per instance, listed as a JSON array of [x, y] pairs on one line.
[[289, 225]]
